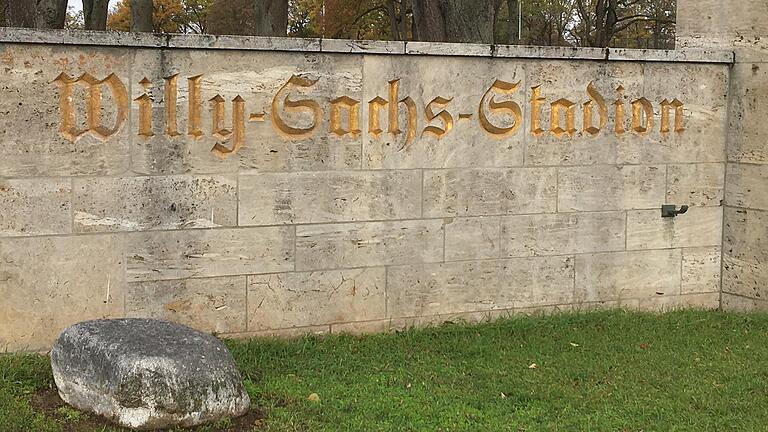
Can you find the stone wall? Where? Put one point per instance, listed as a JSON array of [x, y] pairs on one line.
[[740, 25], [256, 186]]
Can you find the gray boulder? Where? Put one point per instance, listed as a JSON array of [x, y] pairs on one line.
[[147, 374]]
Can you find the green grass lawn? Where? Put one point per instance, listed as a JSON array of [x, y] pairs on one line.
[[603, 371]]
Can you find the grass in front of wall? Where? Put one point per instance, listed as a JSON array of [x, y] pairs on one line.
[[603, 371]]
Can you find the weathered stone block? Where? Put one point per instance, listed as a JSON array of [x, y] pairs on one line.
[[695, 184], [147, 203], [369, 244], [562, 233], [701, 270], [601, 188], [363, 46], [539, 311], [744, 277], [711, 23], [569, 81], [286, 333], [472, 286], [700, 137], [719, 22], [735, 303], [457, 138], [284, 198], [238, 42], [36, 140], [704, 118], [699, 226], [401, 324], [472, 238], [297, 141], [435, 289], [362, 327], [35, 207], [206, 253], [449, 49], [479, 192], [214, 305], [747, 127], [538, 281], [707, 301], [628, 275], [284, 300], [745, 247], [745, 234], [49, 283], [746, 186]]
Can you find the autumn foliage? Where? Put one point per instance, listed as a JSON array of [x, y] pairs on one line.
[[169, 16]]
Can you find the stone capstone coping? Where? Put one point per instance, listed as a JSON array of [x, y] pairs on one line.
[[147, 374], [258, 43]]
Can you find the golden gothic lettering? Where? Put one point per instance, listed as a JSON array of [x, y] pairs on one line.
[[298, 112], [68, 126], [193, 122], [507, 106], [282, 128], [352, 108], [443, 115], [595, 98]]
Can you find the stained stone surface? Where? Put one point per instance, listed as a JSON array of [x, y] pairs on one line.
[[695, 184], [31, 144], [214, 304], [301, 299], [21, 198], [740, 26], [475, 192], [278, 186], [148, 203], [147, 374], [699, 226], [601, 188], [628, 275]]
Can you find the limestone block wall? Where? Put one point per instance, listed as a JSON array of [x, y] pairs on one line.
[[740, 26], [256, 186]]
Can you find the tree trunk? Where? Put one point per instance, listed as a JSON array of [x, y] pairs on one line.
[[605, 25], [514, 21], [392, 12], [141, 16], [51, 14], [95, 13], [453, 20], [271, 17], [249, 17], [17, 13]]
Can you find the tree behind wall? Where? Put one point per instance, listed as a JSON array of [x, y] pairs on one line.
[[51, 14], [454, 20], [168, 16], [141, 15], [249, 17], [351, 19], [33, 13], [603, 23], [95, 13]]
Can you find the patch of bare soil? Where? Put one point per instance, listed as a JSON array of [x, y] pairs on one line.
[[48, 402]]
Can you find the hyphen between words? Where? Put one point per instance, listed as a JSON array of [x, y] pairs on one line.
[[498, 114]]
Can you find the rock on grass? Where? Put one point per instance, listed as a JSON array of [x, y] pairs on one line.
[[147, 374]]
